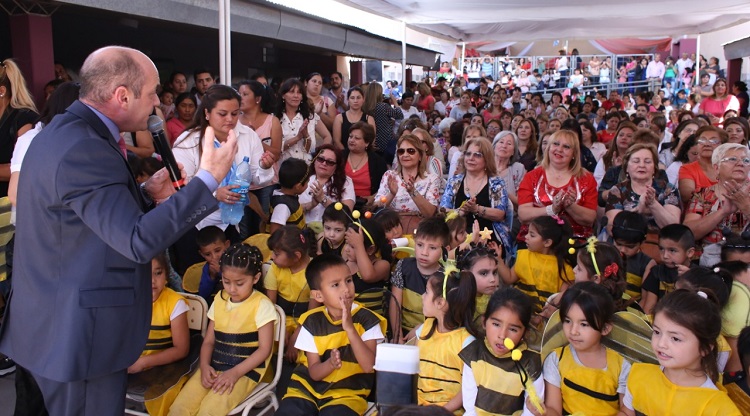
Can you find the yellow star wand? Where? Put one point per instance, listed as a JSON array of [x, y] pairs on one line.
[[528, 385]]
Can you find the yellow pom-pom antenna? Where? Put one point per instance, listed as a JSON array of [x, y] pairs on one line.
[[591, 244], [516, 355], [571, 241], [509, 344], [572, 250], [355, 214], [451, 215], [339, 206]]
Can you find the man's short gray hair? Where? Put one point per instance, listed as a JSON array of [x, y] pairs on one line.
[[104, 71]]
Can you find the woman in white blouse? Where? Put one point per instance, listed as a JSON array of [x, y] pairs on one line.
[[298, 123], [219, 110]]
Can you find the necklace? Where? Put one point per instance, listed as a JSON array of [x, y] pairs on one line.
[[359, 164], [470, 184]]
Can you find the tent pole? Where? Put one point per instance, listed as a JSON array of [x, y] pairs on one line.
[[696, 73], [225, 45], [463, 58], [403, 54]]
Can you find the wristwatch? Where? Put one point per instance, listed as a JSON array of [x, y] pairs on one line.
[[324, 201]]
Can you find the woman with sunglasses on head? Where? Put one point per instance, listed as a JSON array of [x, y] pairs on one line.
[[479, 194], [409, 188], [725, 205], [328, 184]]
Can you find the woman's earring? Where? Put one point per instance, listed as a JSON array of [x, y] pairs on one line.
[[206, 118]]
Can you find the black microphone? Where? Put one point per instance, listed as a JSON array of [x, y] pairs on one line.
[[156, 127]]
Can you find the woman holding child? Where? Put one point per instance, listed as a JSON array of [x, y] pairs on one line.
[[724, 205], [479, 193]]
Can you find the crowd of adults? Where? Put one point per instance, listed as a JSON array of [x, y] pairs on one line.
[[494, 149]]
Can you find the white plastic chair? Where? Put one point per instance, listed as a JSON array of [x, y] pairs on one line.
[[265, 391], [197, 315]]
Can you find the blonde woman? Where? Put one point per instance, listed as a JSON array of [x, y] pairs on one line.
[[17, 115], [559, 186], [408, 188]]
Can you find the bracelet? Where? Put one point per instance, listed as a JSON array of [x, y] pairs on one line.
[[550, 210], [324, 201], [484, 211]]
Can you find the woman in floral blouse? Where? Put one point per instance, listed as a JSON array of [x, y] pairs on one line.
[[408, 188], [639, 191], [479, 194], [724, 205]]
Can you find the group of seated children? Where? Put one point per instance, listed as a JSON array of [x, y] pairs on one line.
[[469, 317]]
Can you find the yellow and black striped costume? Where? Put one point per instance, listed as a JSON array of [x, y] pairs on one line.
[[370, 295], [499, 387], [236, 332], [589, 390], [348, 385], [297, 216], [636, 268], [160, 335], [293, 293], [440, 367], [654, 394], [415, 284], [538, 276]]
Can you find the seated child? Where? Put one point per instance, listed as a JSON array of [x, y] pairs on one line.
[[585, 376], [236, 351], [742, 398], [390, 221], [705, 279], [335, 374], [285, 207], [457, 227], [212, 243], [735, 316], [629, 232], [736, 248], [335, 223], [601, 263], [409, 280], [169, 338], [488, 364], [368, 255], [448, 306], [481, 262], [545, 266], [677, 246], [686, 326], [285, 281]]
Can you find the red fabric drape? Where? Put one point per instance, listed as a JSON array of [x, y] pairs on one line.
[[635, 46]]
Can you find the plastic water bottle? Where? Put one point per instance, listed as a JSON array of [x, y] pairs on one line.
[[232, 213]]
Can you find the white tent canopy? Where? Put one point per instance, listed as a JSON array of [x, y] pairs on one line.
[[527, 20]]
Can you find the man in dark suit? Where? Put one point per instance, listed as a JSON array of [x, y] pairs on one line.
[[80, 305]]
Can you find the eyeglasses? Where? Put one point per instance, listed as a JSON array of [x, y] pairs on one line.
[[327, 162], [712, 142], [736, 160], [412, 151], [469, 155]]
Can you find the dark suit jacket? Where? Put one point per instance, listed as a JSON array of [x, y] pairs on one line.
[[80, 305]]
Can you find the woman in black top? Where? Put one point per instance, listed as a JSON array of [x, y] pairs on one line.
[[343, 122]]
